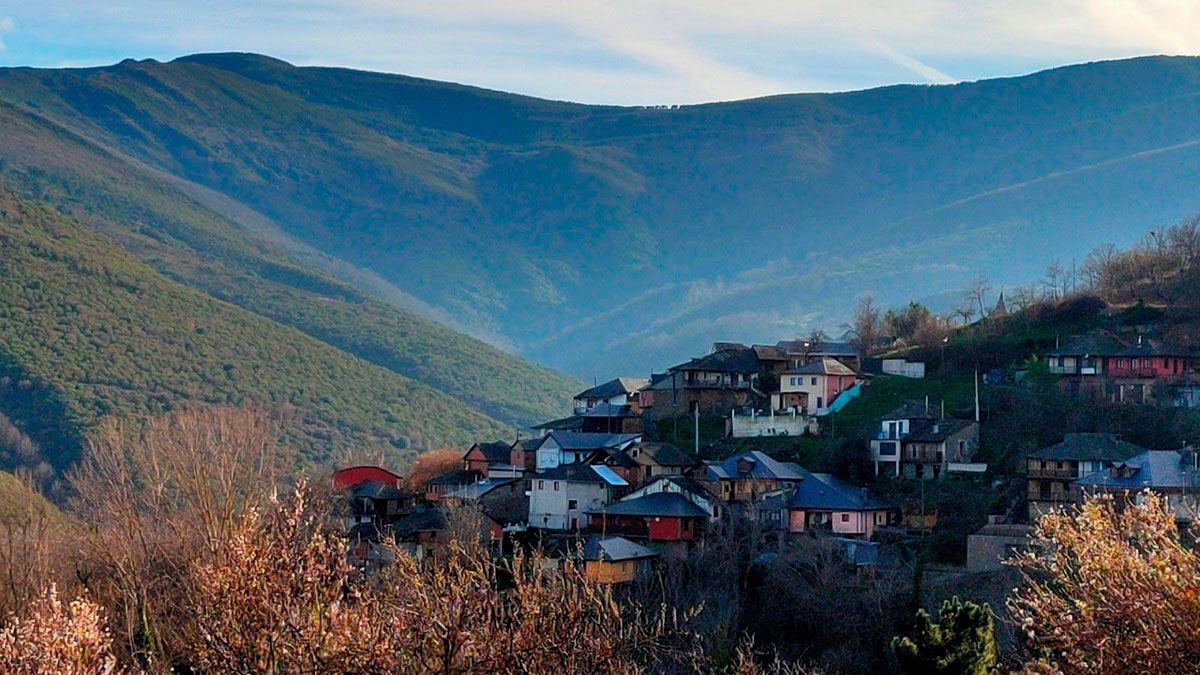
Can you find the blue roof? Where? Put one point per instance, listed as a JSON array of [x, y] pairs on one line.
[[823, 491], [1151, 469], [762, 466]]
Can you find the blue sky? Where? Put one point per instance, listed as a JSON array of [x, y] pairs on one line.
[[616, 51]]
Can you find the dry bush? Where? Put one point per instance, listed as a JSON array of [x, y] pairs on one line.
[[433, 463], [51, 637], [156, 500], [1108, 589], [282, 598]]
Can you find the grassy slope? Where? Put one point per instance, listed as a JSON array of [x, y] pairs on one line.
[[537, 218], [89, 330], [197, 247]]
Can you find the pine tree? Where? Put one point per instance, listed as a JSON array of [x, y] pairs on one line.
[[961, 641]]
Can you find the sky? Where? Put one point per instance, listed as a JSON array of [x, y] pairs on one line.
[[631, 52]]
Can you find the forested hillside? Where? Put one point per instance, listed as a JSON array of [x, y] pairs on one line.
[[89, 330], [608, 240]]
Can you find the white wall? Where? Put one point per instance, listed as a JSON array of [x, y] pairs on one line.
[[548, 507], [747, 426]]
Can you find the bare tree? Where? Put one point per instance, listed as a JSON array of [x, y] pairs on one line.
[[868, 324], [1055, 278], [977, 292]]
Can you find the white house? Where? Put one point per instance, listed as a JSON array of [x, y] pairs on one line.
[[689, 487], [568, 447], [813, 386], [560, 498]]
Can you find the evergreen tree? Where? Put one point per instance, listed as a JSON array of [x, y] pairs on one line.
[[961, 641]]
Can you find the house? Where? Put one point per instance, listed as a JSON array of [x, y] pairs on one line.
[[523, 453], [502, 502], [748, 476], [1173, 474], [1049, 472], [569, 447], [611, 559], [656, 459], [439, 486], [695, 491], [611, 419], [713, 384], [561, 498], [810, 388], [492, 459], [352, 475], [646, 393], [915, 441], [421, 533], [623, 391], [1139, 370], [657, 516], [801, 352], [568, 423], [824, 503], [994, 543], [371, 501]]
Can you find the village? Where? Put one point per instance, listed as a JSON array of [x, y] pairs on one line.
[[644, 470]]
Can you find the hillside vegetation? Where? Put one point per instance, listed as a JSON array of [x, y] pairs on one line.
[[88, 331], [608, 240]]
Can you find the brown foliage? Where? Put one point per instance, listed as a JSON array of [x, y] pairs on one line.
[[433, 463], [55, 638], [1109, 589]]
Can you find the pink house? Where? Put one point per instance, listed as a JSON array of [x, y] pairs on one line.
[[813, 386]]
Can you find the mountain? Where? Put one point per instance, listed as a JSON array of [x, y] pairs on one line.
[[89, 330], [608, 240]]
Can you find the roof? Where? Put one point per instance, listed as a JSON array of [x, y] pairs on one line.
[[619, 386], [770, 352], [823, 491], [762, 466], [506, 507], [529, 444], [822, 348], [373, 489], [742, 360], [910, 410], [609, 410], [1151, 469], [579, 472], [479, 488], [578, 440], [667, 504], [662, 454], [426, 520], [823, 366], [619, 458], [459, 477], [571, 423], [1089, 448], [612, 548], [1095, 343], [689, 484], [939, 431], [496, 452]]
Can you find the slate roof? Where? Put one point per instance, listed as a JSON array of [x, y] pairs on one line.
[[578, 440], [619, 458], [823, 348], [939, 431], [505, 507], [479, 488], [1151, 347], [570, 423], [912, 410], [614, 549], [823, 491], [496, 452], [459, 477], [763, 467], [1161, 469], [724, 361], [823, 366], [426, 520], [1089, 448], [579, 472], [662, 454], [666, 504], [617, 387], [373, 489], [1096, 343], [770, 352]]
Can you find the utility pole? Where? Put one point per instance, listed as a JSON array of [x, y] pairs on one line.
[[697, 418], [977, 392]]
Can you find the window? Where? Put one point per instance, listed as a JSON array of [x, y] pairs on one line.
[[541, 485], [572, 504], [845, 517], [556, 486], [813, 381]]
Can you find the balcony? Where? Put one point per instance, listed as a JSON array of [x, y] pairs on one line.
[[1062, 474]]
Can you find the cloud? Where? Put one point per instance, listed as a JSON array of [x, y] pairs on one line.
[[624, 51], [6, 26]]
